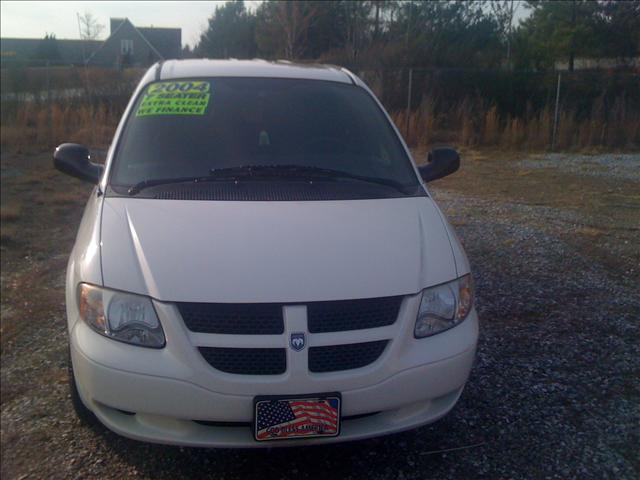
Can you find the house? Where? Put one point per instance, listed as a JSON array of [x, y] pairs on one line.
[[127, 45]]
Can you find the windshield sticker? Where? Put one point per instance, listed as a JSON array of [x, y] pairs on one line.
[[175, 98]]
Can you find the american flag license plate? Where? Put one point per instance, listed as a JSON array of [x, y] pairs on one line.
[[307, 416]]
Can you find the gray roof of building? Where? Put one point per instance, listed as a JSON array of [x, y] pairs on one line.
[[71, 51], [168, 41]]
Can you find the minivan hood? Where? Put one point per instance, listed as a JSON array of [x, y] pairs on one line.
[[233, 252]]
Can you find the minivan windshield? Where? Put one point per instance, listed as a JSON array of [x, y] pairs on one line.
[[198, 128]]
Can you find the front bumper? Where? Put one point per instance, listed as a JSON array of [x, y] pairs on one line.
[[163, 395]]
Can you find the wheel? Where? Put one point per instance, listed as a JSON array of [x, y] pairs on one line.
[[85, 415]]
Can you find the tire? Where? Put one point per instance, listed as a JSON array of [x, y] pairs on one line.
[[85, 415]]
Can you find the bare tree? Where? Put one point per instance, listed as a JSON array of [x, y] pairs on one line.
[[89, 27], [295, 19], [359, 25], [504, 12]]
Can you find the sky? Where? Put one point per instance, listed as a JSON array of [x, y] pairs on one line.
[[34, 19], [25, 19]]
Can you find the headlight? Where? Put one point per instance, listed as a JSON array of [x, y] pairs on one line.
[[122, 316], [444, 306]]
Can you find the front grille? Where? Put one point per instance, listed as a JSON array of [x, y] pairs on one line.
[[344, 357], [246, 361], [267, 319], [232, 318], [343, 315]]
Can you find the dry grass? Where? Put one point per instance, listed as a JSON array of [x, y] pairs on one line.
[[472, 123], [37, 127], [65, 198], [491, 131], [85, 106], [10, 212], [43, 178], [590, 231], [8, 234]]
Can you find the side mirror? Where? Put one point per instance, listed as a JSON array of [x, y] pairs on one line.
[[441, 162], [74, 159]]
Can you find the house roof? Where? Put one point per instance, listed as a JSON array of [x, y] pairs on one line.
[[251, 68], [70, 51], [164, 42], [167, 41], [120, 25]]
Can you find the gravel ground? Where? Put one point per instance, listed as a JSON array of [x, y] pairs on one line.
[[613, 165], [554, 392]]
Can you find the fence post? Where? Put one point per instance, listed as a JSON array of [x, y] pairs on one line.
[[408, 112], [49, 116], [555, 115]]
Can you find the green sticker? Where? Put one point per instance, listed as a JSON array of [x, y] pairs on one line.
[[175, 98]]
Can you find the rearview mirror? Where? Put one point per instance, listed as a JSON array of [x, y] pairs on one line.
[[75, 160], [441, 162]]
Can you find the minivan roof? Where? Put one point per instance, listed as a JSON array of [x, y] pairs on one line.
[[190, 68]]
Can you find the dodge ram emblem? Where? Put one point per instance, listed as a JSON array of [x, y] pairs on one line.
[[297, 341]]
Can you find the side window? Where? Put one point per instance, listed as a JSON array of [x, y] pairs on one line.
[[126, 47]]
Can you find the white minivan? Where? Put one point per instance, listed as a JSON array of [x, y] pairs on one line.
[[260, 263]]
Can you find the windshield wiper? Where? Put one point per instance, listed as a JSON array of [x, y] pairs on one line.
[[303, 171], [247, 171], [214, 176], [138, 187]]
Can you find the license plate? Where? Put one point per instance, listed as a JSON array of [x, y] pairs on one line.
[[289, 417]]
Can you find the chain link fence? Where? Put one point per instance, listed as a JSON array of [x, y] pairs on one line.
[[44, 104], [531, 110]]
